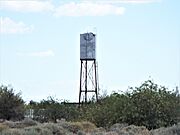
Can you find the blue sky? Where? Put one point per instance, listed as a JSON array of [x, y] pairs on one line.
[[137, 40]]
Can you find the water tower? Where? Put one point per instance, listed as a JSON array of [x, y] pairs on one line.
[[88, 70]]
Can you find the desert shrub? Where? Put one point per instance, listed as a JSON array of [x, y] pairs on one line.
[[152, 106], [88, 126], [10, 124], [11, 104], [134, 130], [12, 132], [99, 130], [81, 133], [107, 111], [36, 130], [51, 110], [112, 133], [20, 124], [174, 130], [54, 129], [74, 127], [63, 124], [3, 127], [41, 129], [149, 105], [28, 122], [117, 126], [32, 131], [178, 108]]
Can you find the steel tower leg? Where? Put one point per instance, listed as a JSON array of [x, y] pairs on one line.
[[88, 80]]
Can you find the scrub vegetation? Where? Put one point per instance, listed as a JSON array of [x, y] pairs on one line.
[[149, 109]]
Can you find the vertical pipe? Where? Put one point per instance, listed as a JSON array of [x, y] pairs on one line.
[[87, 35], [96, 91], [80, 88], [86, 83]]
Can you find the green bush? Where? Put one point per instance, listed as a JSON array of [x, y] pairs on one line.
[[152, 106], [149, 105], [11, 104], [51, 110]]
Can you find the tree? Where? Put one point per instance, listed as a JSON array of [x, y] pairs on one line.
[[11, 104], [152, 106]]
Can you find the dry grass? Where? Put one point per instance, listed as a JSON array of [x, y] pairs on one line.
[[20, 124], [30, 127], [3, 127], [174, 130]]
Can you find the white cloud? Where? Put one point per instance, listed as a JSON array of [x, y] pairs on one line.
[[124, 1], [48, 53], [42, 54], [88, 9], [9, 26], [26, 6], [70, 8]]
